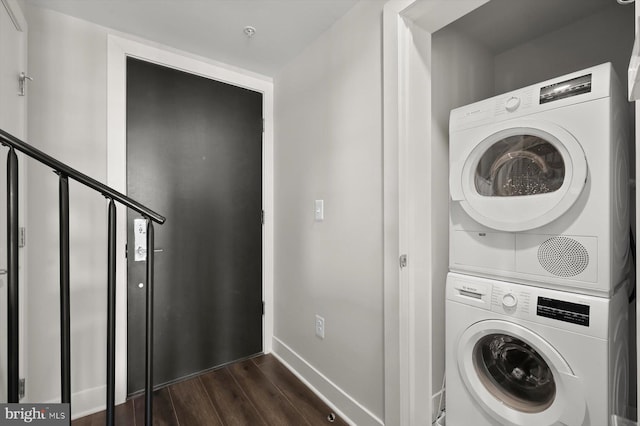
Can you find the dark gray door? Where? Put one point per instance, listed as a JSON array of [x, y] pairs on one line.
[[194, 154]]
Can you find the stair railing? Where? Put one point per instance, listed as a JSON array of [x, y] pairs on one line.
[[65, 173]]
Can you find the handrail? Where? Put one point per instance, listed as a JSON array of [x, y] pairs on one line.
[[8, 139], [64, 174]]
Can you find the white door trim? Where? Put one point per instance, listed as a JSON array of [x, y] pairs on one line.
[[414, 206], [635, 195], [15, 13], [17, 128], [118, 49]]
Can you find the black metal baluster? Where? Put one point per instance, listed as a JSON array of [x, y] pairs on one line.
[[13, 243], [13, 368], [149, 326], [65, 299], [111, 315]]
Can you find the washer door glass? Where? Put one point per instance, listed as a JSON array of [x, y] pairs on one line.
[[520, 165], [514, 372]]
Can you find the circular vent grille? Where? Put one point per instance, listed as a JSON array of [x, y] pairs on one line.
[[563, 257]]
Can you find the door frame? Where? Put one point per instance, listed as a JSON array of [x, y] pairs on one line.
[[413, 212], [16, 15], [635, 191], [118, 49]]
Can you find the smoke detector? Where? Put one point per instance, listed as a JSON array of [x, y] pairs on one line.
[[249, 31]]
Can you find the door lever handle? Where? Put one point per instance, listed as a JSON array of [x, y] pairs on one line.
[[142, 251], [3, 271]]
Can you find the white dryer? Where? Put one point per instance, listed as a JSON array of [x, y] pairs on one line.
[[539, 184], [527, 356]]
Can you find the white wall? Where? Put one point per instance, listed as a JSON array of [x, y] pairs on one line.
[[328, 145], [602, 37], [462, 73], [67, 119]]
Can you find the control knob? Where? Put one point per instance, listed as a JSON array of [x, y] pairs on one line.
[[512, 103], [509, 301]]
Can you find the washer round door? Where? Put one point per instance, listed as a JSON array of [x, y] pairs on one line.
[[517, 377], [521, 176]]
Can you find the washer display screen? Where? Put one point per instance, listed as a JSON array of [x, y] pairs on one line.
[[514, 372], [563, 311]]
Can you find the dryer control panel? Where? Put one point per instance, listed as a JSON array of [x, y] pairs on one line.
[[565, 89], [591, 84]]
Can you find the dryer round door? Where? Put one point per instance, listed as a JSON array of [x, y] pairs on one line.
[[517, 377], [523, 175]]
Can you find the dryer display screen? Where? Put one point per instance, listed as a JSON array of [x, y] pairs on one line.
[[565, 89], [563, 311]]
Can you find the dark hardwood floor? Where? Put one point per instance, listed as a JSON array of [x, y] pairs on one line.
[[258, 391]]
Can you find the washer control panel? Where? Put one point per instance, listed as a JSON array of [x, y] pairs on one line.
[[510, 300], [563, 311], [527, 304]]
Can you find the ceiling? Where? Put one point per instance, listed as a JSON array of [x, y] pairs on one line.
[[503, 24], [215, 28]]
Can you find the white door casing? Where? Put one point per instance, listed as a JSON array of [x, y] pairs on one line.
[[637, 219], [117, 51], [415, 205], [13, 45]]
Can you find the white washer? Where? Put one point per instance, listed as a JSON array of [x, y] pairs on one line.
[[526, 356], [539, 184]]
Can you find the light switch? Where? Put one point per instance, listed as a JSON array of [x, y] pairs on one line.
[[319, 210]]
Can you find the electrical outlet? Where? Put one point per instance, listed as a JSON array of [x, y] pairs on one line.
[[319, 326]]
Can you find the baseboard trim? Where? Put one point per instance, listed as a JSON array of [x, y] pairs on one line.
[[88, 401], [344, 405]]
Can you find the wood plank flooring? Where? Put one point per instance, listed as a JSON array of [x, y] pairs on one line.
[[257, 391]]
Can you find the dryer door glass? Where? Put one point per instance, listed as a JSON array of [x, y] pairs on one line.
[[514, 373], [519, 165]]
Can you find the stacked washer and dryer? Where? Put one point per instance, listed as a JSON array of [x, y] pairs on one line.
[[537, 305]]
